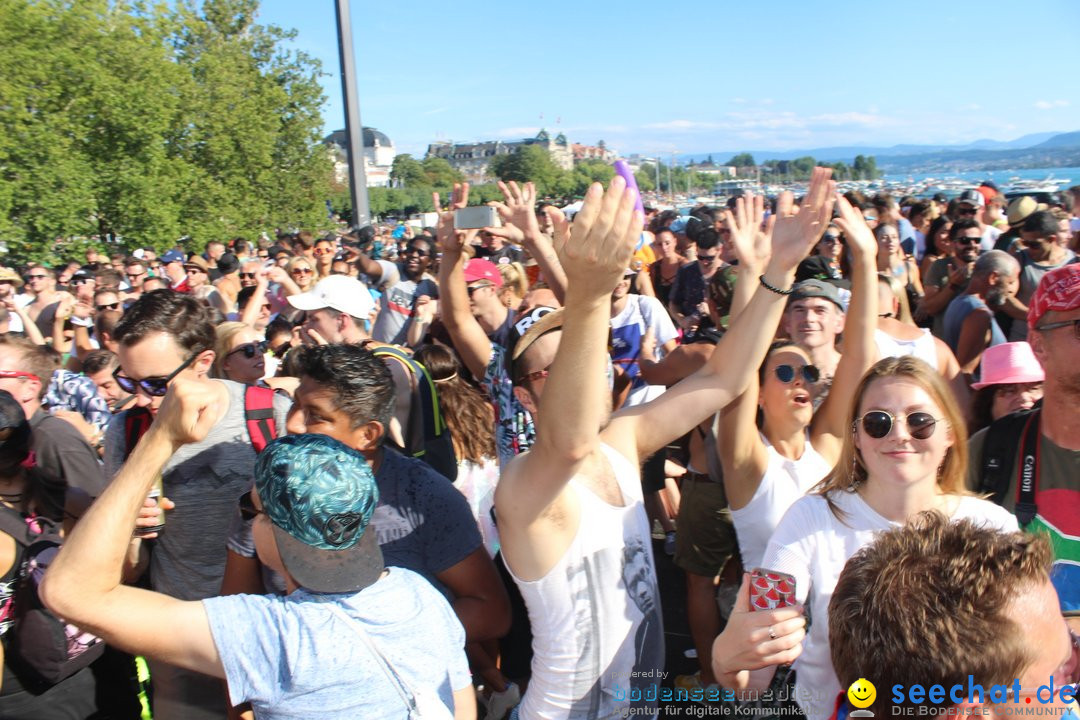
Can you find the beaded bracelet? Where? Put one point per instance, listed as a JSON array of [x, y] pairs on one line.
[[765, 284]]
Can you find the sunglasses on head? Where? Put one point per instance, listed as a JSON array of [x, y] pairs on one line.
[[786, 373], [18, 374], [878, 424], [152, 386], [250, 350]]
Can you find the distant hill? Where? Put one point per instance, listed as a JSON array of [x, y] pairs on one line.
[[1064, 140], [1033, 150]]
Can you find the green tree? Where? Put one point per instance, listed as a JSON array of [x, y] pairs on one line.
[[741, 160], [143, 124], [440, 173], [645, 177], [407, 171], [527, 163]]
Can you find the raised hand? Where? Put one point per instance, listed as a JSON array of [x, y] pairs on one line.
[[602, 240], [189, 410], [518, 213], [449, 239], [752, 243], [859, 235], [796, 231]]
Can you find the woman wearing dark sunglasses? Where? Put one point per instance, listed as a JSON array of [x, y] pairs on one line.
[[904, 451], [239, 353], [770, 464]]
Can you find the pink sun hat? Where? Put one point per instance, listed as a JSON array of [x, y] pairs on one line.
[[1009, 363]]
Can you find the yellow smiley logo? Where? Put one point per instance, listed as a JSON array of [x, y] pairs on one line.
[[862, 693]]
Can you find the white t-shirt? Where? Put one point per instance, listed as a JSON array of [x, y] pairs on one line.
[[785, 481], [813, 545], [627, 329]]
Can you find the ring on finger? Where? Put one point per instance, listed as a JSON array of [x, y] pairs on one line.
[[772, 633]]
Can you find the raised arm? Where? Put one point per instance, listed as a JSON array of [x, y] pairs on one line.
[[469, 338], [83, 584], [742, 453], [575, 399], [726, 375], [860, 352], [518, 212]]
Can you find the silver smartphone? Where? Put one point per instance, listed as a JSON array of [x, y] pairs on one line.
[[478, 216]]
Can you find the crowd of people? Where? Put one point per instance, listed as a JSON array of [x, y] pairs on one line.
[[422, 472]]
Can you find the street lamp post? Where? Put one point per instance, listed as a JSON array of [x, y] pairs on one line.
[[361, 215]]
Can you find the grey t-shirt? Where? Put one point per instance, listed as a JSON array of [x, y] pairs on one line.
[[422, 522], [205, 480], [399, 296], [291, 657]]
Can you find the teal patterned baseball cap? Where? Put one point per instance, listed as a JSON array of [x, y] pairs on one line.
[[319, 495]]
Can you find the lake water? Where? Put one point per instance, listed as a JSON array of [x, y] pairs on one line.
[[1066, 177]]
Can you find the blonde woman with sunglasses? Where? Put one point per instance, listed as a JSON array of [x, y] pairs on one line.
[[904, 451]]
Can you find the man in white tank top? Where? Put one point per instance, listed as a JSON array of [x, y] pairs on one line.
[[572, 524]]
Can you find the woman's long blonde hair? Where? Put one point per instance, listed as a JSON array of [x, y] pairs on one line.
[[850, 470]]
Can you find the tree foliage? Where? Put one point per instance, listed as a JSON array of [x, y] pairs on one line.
[[122, 122], [741, 160]]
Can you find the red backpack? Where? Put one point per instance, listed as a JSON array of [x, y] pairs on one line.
[[258, 415]]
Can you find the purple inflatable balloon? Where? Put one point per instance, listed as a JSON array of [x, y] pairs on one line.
[[623, 171]]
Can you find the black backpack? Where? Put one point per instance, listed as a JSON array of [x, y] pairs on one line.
[[38, 641], [427, 438]]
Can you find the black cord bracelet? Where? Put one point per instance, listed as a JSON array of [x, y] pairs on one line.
[[765, 284]]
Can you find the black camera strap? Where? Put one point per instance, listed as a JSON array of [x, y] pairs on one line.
[[1027, 473]]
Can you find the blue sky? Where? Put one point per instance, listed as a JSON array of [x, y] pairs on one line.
[[701, 75]]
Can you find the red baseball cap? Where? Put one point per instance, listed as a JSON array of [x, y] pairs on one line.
[[1059, 290], [480, 269]]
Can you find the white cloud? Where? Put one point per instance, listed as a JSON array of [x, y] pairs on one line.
[[1051, 104], [739, 101], [436, 111], [683, 125], [972, 106]]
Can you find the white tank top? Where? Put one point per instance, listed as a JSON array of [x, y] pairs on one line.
[[785, 481], [923, 348], [596, 614]]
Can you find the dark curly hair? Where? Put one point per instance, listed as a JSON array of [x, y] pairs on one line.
[[469, 416]]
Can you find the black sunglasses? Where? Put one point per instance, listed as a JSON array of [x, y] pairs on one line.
[[1064, 323], [110, 306], [966, 211], [152, 386], [967, 241], [249, 276], [250, 350], [248, 511], [473, 288], [878, 424], [786, 373]]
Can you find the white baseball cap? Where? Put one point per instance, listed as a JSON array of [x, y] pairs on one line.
[[340, 292]]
